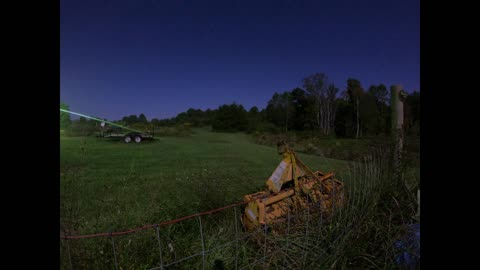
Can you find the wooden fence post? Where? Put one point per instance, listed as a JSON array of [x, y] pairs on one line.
[[397, 97]]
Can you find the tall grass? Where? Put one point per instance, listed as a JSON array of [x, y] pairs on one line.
[[359, 235]]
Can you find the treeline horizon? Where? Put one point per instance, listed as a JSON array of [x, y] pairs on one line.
[[317, 106]]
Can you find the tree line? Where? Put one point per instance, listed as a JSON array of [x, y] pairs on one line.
[[318, 106]]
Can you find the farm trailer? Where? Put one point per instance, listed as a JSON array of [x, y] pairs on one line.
[[127, 137]]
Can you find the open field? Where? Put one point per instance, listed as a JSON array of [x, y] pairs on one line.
[[113, 185], [109, 186]]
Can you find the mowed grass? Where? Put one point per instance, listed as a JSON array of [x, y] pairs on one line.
[[113, 186]]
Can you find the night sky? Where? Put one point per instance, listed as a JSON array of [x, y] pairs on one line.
[[161, 57]]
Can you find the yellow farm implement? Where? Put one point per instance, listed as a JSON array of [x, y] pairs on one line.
[[292, 187]]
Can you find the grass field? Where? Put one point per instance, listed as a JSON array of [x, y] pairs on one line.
[[109, 185]]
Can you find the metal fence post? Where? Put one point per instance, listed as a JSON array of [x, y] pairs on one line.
[[203, 243], [320, 222], [334, 197], [236, 238], [306, 231], [308, 219], [288, 232], [265, 243], [114, 252], [159, 246], [69, 254]]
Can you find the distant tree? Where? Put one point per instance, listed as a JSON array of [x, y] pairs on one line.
[[279, 110], [412, 113], [142, 118], [300, 103], [274, 110], [209, 116], [181, 117], [330, 107], [369, 115], [65, 121], [254, 119], [192, 117], [155, 121], [311, 109], [196, 117], [263, 114], [165, 122], [343, 120], [94, 122], [286, 99], [317, 85], [380, 95], [130, 120], [355, 91], [230, 118], [82, 127]]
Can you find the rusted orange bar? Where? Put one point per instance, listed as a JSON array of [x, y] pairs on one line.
[[261, 211], [279, 197]]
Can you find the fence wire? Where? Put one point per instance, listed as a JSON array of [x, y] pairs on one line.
[[215, 239], [215, 236]]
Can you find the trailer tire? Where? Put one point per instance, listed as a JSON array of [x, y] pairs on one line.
[[127, 139], [138, 139]]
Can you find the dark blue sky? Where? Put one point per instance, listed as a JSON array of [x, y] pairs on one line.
[[161, 57]]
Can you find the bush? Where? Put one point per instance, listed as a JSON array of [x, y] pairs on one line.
[[79, 129], [176, 131], [310, 149]]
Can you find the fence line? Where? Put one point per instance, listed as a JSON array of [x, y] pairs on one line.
[[152, 225], [261, 240], [166, 222]]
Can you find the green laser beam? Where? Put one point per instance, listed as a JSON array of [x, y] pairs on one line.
[[100, 120]]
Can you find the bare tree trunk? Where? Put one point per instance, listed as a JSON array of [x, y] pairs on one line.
[[286, 118], [331, 112], [324, 118], [327, 121], [358, 118], [321, 116], [381, 123], [328, 118], [318, 115], [333, 118]]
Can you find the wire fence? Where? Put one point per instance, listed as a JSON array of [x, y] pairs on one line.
[[214, 239], [311, 238]]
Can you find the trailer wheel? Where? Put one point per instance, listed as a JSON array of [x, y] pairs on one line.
[[138, 139], [127, 139]]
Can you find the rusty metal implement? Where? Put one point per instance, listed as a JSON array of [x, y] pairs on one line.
[[291, 187]]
